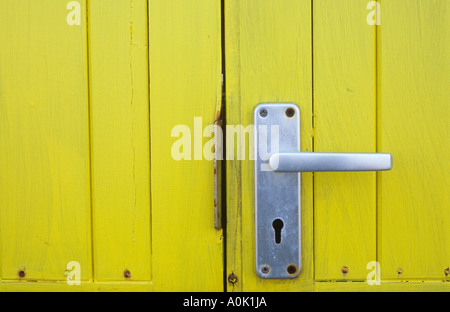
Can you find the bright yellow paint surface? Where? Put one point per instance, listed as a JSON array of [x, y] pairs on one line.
[[86, 119], [268, 60], [45, 217], [414, 114], [77, 106], [185, 82], [344, 121], [375, 89], [120, 140]]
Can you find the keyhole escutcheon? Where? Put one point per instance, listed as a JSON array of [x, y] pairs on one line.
[[278, 225]]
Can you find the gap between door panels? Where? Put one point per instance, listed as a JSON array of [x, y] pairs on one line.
[[223, 166]]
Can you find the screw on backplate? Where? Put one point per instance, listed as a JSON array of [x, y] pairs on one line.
[[290, 112], [265, 269], [232, 278], [292, 269], [263, 113], [127, 274], [344, 270], [447, 271], [400, 271]]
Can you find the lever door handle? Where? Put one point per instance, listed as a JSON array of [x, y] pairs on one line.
[[330, 162]]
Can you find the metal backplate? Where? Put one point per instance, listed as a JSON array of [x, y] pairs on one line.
[[277, 194]]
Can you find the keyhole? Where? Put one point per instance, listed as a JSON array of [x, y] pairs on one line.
[[278, 225]]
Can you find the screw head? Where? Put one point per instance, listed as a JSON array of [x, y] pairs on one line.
[[265, 269], [290, 112], [232, 278], [263, 113], [344, 270], [21, 274], [400, 271], [447, 271], [127, 274], [292, 269]]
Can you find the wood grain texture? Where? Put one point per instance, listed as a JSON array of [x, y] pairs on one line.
[[65, 89], [185, 82], [344, 121], [120, 139], [8, 286], [44, 137], [386, 286], [268, 60], [234, 244], [414, 99]]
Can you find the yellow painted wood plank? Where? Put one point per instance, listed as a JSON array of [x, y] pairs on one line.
[[7, 286], [268, 59], [413, 125], [344, 121], [232, 76], [44, 137], [120, 139], [185, 82], [388, 286]]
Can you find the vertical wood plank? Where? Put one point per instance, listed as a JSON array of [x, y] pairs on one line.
[[234, 177], [414, 126], [268, 60], [44, 138], [120, 139], [344, 121], [185, 82]]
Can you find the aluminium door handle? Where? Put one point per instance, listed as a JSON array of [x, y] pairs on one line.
[[278, 164], [330, 162]]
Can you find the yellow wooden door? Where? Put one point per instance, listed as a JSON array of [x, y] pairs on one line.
[[367, 77], [88, 187], [91, 95]]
